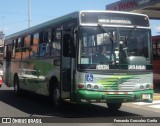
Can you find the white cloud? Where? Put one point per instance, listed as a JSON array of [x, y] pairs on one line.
[[6, 29]]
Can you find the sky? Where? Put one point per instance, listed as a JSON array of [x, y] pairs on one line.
[[14, 13]]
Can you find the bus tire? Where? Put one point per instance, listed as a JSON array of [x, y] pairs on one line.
[[114, 106], [55, 93], [16, 85]]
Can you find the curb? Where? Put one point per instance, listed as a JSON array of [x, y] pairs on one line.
[[156, 96]]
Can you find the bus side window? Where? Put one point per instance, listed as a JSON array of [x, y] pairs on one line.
[[18, 53], [56, 43], [16, 43], [49, 42], [14, 46], [27, 41], [68, 46], [45, 45], [26, 44], [35, 45], [9, 52], [22, 42]]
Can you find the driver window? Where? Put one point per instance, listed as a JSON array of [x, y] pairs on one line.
[[94, 42]]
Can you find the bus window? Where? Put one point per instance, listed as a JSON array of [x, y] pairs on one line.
[[94, 40], [18, 54], [68, 46], [9, 52], [35, 46], [16, 43], [27, 41], [4, 54], [49, 42], [22, 42], [56, 44], [14, 46], [19, 42], [45, 43]]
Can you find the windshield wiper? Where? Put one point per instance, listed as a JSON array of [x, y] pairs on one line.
[[104, 31], [129, 36], [111, 39]]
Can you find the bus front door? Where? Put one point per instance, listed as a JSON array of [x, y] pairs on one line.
[[67, 66]]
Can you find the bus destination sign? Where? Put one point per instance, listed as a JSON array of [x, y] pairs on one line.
[[114, 19]]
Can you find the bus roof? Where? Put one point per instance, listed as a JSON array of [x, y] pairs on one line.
[[59, 20], [43, 25]]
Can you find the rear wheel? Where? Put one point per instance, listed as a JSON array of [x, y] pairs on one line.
[[16, 86], [56, 97], [55, 93], [114, 106]]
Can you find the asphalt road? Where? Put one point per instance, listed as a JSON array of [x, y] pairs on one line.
[[92, 114]]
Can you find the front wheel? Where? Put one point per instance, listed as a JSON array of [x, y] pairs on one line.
[[114, 106]]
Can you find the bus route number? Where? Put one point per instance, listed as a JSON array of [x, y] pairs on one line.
[[136, 67], [102, 67]]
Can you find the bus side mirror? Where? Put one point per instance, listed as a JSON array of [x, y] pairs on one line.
[[68, 46]]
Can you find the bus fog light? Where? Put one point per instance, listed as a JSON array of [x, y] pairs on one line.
[[89, 86], [147, 86], [95, 87], [141, 87]]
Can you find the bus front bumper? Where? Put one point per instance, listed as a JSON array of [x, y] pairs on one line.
[[114, 96]]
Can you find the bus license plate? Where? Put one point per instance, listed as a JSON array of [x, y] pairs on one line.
[[146, 96]]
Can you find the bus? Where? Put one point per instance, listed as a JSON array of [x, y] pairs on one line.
[[60, 59], [156, 60]]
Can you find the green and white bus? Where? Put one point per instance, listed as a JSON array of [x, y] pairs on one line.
[[83, 57]]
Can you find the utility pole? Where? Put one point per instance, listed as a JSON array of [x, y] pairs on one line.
[[29, 14]]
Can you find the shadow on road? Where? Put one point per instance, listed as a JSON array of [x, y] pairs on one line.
[[157, 88], [40, 106]]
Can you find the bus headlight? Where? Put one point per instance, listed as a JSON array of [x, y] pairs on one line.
[[147, 86], [89, 86], [96, 87], [141, 87]]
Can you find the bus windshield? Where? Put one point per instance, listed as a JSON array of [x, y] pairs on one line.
[[114, 46]]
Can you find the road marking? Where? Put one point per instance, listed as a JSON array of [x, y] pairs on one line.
[[155, 106], [144, 103]]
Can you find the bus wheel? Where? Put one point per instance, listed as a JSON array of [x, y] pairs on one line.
[[114, 106], [54, 92], [16, 86], [56, 97]]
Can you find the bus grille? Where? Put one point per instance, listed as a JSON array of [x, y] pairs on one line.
[[119, 84]]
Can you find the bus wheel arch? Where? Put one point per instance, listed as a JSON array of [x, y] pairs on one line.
[[54, 92]]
